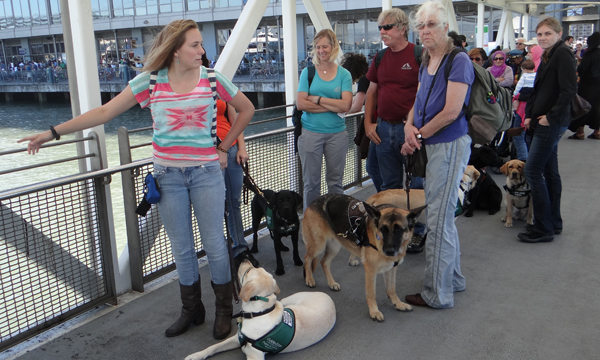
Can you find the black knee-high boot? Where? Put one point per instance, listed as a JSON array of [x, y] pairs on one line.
[[224, 309], [192, 310]]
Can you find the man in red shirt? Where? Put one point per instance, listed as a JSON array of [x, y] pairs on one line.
[[392, 93]]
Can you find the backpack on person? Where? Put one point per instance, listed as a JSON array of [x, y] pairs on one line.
[[297, 114], [490, 105]]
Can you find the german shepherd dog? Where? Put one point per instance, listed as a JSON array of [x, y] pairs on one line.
[[387, 230]]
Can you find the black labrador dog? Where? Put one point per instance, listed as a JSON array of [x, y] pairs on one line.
[[279, 209], [486, 195]]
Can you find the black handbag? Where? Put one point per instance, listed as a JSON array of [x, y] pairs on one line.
[[579, 107]]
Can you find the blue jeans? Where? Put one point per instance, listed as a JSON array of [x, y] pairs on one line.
[[372, 166], [234, 179], [541, 172], [519, 140], [445, 167], [203, 188], [389, 159]]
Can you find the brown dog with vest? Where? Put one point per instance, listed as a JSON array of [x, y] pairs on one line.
[[378, 236], [518, 194]]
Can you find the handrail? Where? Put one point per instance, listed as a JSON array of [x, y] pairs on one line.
[[71, 178], [8, 152]]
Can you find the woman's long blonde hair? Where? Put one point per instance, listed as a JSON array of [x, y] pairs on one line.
[[335, 47], [168, 40]]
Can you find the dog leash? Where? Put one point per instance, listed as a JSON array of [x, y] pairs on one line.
[[236, 282], [249, 179], [408, 169]]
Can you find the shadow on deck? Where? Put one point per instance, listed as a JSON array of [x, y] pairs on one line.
[[523, 301]]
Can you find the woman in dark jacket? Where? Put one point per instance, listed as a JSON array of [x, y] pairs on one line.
[[548, 115], [589, 89]]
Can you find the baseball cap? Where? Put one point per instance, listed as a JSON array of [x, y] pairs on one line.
[[533, 41], [515, 53]]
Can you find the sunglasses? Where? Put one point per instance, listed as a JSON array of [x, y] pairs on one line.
[[430, 25], [520, 43], [498, 58], [386, 27], [476, 59]]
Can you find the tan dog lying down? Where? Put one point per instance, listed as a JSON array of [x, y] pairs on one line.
[[313, 314]]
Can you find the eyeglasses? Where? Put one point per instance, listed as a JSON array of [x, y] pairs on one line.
[[498, 58], [475, 59], [520, 43], [386, 27], [430, 25]]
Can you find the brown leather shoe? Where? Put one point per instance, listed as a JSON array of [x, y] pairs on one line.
[[416, 300]]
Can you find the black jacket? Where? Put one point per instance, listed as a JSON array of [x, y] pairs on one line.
[[554, 88]]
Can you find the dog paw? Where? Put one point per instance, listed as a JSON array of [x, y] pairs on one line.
[[298, 262], [404, 307], [508, 224], [279, 271], [196, 356], [504, 219], [376, 315], [311, 283], [284, 248], [353, 261], [335, 286]]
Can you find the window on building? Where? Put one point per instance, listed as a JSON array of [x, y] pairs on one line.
[[55, 11]]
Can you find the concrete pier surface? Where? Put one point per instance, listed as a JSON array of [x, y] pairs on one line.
[[523, 301]]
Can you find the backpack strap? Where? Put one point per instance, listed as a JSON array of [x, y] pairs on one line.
[[212, 79], [153, 77], [311, 76], [447, 69], [379, 56]]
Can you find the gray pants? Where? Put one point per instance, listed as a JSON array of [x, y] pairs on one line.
[[311, 148], [445, 167]]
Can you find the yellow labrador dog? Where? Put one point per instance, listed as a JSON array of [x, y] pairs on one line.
[[518, 194], [266, 325]]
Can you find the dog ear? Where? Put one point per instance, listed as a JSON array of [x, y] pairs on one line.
[[504, 168], [248, 290], [373, 213], [414, 214], [476, 175], [298, 199]]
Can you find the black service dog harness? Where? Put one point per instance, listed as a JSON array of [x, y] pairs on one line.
[[356, 229], [284, 227], [519, 191]]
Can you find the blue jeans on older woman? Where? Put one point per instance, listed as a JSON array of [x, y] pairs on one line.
[[541, 172], [445, 167], [203, 188]]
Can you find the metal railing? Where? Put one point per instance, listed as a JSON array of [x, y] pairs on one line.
[[55, 253], [56, 250]]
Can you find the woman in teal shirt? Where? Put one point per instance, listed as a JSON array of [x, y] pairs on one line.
[[325, 104]]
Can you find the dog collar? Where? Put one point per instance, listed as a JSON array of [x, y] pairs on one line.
[[262, 298], [250, 315]]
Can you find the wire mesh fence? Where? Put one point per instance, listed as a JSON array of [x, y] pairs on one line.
[[52, 257], [273, 165]]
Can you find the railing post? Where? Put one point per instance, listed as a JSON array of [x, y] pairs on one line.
[[136, 262], [357, 159], [106, 244]]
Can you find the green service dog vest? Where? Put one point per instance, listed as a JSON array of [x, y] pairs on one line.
[[275, 340]]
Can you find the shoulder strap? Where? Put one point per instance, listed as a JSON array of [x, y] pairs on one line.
[[212, 79], [153, 77], [311, 76], [447, 70], [418, 53], [379, 56]]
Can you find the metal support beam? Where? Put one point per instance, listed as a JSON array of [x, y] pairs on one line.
[[386, 5], [480, 18], [502, 27], [242, 33], [317, 14], [452, 24], [526, 27], [290, 53]]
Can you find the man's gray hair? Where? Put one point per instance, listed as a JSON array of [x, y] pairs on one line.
[[394, 16]]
